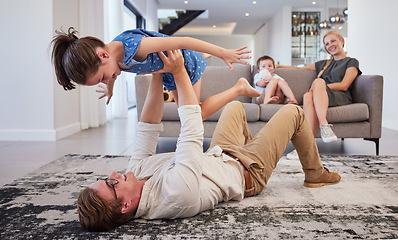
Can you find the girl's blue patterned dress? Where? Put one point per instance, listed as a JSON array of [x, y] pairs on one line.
[[195, 64]]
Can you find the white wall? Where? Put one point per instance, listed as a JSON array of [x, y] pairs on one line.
[[66, 103], [279, 36], [151, 15], [260, 42], [34, 106], [372, 40], [27, 98], [148, 9]]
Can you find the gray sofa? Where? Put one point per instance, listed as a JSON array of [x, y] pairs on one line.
[[362, 119]]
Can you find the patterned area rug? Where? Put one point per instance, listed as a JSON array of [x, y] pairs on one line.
[[363, 206]]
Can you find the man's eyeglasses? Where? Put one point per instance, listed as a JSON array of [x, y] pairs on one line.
[[110, 182]]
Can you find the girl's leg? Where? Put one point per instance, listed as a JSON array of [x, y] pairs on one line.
[[321, 100], [309, 109], [216, 102]]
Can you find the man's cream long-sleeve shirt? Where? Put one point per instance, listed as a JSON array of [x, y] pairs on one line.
[[186, 182]]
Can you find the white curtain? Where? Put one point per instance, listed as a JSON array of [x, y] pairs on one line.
[[118, 104], [92, 110], [91, 23], [113, 15], [102, 19]]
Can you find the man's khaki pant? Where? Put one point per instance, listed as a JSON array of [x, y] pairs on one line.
[[261, 153]]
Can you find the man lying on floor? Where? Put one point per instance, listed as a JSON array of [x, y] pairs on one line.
[[184, 183]]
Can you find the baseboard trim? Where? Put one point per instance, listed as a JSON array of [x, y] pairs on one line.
[[68, 130], [39, 135]]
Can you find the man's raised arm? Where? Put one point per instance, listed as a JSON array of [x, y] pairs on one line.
[[175, 65], [152, 110]]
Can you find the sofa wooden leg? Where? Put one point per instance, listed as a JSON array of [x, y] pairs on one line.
[[376, 141]]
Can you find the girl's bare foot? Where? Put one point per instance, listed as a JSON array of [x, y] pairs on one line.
[[271, 100], [294, 101], [245, 89]]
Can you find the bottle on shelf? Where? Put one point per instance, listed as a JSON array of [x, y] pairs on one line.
[[308, 32], [295, 19], [303, 19], [305, 36]]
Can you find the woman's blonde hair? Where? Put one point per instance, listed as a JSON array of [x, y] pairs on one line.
[[337, 34]]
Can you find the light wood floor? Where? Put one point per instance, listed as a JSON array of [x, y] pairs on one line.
[[18, 158]]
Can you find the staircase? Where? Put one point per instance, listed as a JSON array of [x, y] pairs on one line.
[[172, 24]]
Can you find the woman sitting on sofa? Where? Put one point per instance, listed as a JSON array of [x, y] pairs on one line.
[[331, 87]]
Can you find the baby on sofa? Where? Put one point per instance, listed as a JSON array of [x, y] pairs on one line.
[[274, 88]]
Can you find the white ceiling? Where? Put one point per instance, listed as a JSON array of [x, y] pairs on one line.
[[229, 15]]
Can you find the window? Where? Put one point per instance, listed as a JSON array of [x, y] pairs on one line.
[[140, 21]]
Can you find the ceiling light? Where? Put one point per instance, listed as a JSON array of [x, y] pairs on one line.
[[313, 3], [214, 26], [338, 18], [345, 12], [254, 2], [247, 14], [186, 2], [324, 24]]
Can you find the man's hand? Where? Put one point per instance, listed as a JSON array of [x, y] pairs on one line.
[[173, 63]]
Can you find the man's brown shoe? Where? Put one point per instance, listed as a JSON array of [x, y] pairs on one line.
[[327, 178]]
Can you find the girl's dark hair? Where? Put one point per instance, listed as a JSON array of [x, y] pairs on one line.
[[263, 58], [74, 58]]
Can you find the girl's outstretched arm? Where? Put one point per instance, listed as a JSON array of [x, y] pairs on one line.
[[157, 44]]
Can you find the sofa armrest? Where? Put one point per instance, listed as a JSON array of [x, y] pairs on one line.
[[369, 89], [141, 89]]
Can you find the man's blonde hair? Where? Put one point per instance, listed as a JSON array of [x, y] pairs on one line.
[[97, 214]]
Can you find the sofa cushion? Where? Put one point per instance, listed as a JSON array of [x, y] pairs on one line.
[[355, 112], [299, 80], [252, 113], [170, 112], [268, 110], [217, 79]]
